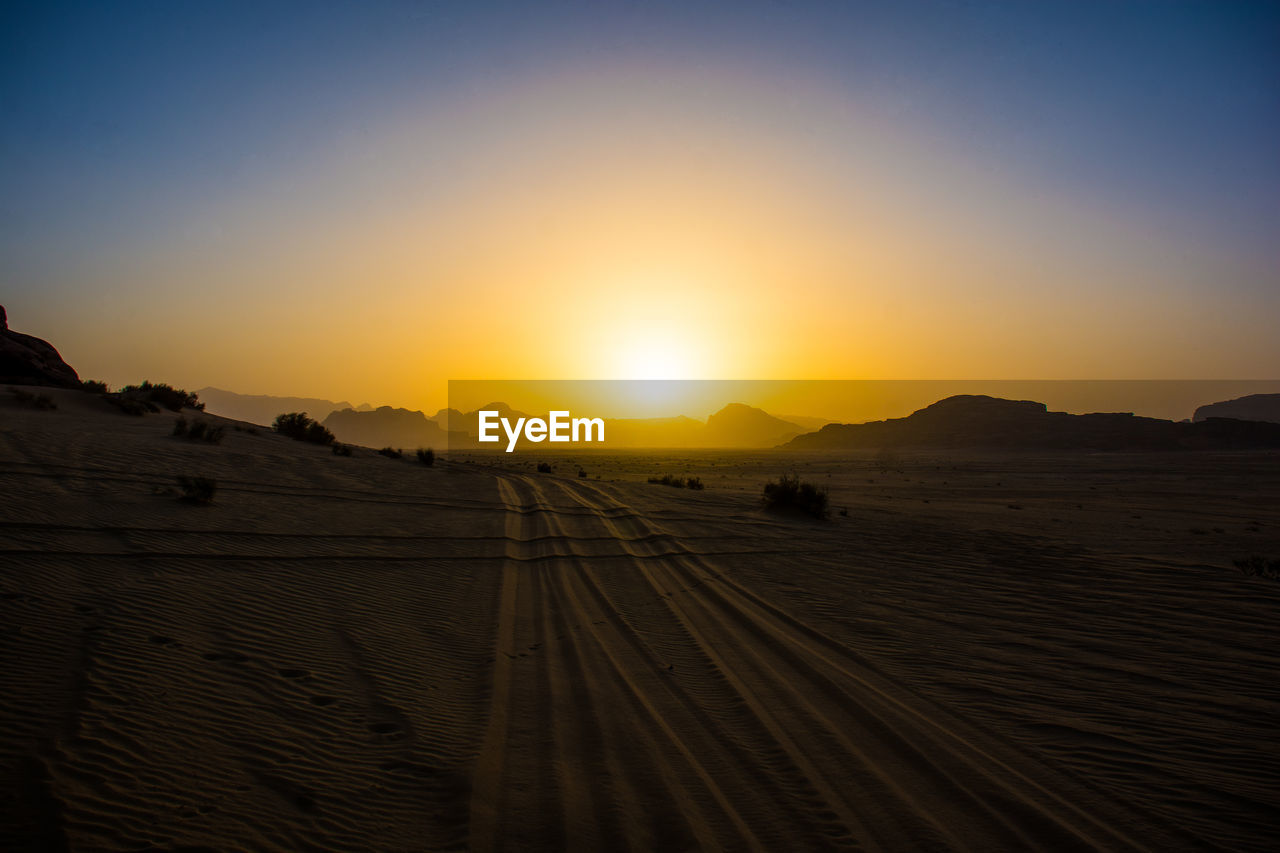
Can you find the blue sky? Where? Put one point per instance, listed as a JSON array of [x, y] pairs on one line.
[[120, 118]]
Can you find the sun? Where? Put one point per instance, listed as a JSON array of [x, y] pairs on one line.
[[658, 353], [656, 359], [661, 325]]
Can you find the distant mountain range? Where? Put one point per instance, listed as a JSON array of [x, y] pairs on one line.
[[967, 421], [734, 426], [263, 408], [962, 421]]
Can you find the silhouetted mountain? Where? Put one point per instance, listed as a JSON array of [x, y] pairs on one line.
[[263, 408], [468, 423], [1255, 407], [740, 425], [989, 422], [27, 360], [450, 419], [386, 427]]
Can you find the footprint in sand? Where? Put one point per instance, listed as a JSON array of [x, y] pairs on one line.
[[387, 730], [234, 657], [406, 768]]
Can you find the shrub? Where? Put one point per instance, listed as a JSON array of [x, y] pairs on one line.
[[174, 399], [582, 472], [391, 452], [340, 449], [426, 456], [790, 494], [299, 427], [252, 430], [131, 405], [206, 432], [695, 483], [198, 490], [674, 482], [198, 431], [34, 401], [544, 467], [93, 386]]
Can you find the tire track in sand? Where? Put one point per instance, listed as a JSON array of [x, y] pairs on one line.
[[896, 773], [655, 702], [486, 802], [575, 756]]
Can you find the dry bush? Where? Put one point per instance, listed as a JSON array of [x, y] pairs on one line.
[[162, 394], [299, 427], [790, 494]]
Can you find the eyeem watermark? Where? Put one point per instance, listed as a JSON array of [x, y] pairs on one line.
[[559, 427]]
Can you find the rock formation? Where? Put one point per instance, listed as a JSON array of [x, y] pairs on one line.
[[1255, 407], [991, 423], [739, 425], [387, 427], [26, 360]]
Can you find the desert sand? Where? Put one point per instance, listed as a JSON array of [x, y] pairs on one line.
[[988, 652]]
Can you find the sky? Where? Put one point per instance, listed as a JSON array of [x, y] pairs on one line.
[[363, 201]]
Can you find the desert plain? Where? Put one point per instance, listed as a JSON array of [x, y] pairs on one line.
[[976, 651]]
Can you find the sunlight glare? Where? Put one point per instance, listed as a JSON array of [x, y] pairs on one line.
[[656, 357]]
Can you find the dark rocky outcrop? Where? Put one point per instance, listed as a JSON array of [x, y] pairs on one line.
[[1255, 407], [387, 427], [992, 423], [27, 360]]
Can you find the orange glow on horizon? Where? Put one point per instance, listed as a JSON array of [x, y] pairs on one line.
[[696, 225]]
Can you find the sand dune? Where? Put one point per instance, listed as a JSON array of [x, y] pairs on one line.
[[363, 653]]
